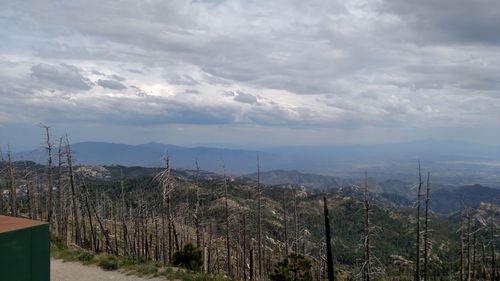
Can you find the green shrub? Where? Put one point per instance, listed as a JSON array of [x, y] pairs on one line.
[[107, 262], [295, 267], [85, 257], [146, 268], [189, 257]]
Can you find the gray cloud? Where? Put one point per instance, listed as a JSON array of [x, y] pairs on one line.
[[111, 84], [182, 80], [245, 98], [450, 20], [63, 75], [283, 64]]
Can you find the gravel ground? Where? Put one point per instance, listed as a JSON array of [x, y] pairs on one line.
[[72, 271]]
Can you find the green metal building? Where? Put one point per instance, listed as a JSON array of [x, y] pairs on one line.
[[24, 250]]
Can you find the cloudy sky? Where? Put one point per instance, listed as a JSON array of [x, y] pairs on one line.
[[250, 73]]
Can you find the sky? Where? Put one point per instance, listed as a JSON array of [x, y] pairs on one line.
[[250, 73]]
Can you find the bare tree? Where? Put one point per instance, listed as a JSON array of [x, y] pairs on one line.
[[166, 187], [295, 222], [93, 235], [328, 241], [99, 220], [285, 229], [228, 242], [259, 219], [48, 147], [1, 187], [461, 265], [197, 217], [244, 247], [11, 184], [60, 213], [417, 228], [469, 263], [494, 269], [29, 190], [426, 229], [123, 214], [74, 194], [367, 266]]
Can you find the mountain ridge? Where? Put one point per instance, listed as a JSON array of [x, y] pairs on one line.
[[386, 161]]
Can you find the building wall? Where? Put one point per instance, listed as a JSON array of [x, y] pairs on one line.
[[25, 254]]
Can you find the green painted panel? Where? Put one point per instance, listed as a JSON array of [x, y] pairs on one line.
[[25, 254], [15, 255], [40, 253]]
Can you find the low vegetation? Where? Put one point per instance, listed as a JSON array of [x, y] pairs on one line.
[[189, 256]]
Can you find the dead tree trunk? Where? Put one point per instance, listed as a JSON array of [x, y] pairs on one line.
[[101, 225], [244, 247], [252, 260], [494, 268], [29, 191], [285, 230], [93, 236], [296, 223], [461, 270], [48, 147], [197, 218], [76, 224], [426, 230], [259, 219], [11, 184], [123, 214], [474, 256], [1, 187], [328, 241], [484, 271], [469, 263], [367, 247], [59, 215], [417, 228], [228, 242], [176, 237]]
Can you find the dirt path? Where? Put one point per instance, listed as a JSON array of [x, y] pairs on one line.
[[72, 271]]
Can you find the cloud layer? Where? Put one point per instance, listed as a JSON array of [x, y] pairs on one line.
[[354, 66]]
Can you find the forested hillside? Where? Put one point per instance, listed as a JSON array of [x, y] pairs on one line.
[[245, 229]]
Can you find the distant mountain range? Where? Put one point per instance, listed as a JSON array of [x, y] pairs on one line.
[[453, 163]]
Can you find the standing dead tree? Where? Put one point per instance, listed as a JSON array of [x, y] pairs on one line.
[[417, 227], [105, 231], [48, 148], [29, 190], [197, 217], [494, 270], [461, 265], [1, 186], [11, 184], [285, 220], [123, 211], [93, 234], [60, 211], [226, 207], [295, 223], [367, 264], [469, 263], [166, 187], [328, 241], [259, 220], [74, 194], [426, 230]]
